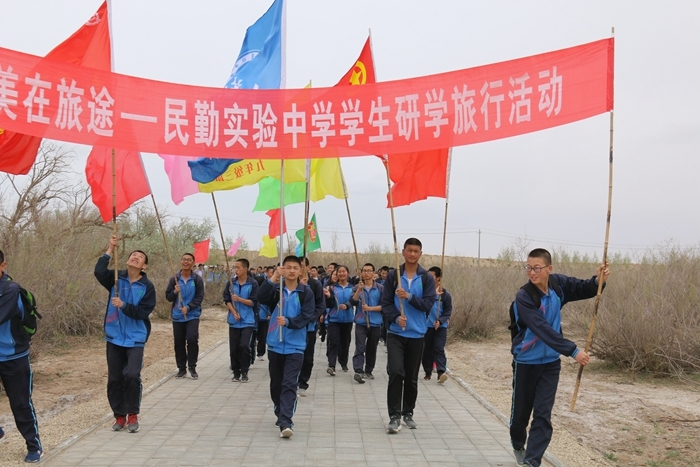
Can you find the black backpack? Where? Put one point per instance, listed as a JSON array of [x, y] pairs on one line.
[[534, 293], [29, 322]]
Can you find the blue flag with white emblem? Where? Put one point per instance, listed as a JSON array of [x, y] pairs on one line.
[[258, 66]]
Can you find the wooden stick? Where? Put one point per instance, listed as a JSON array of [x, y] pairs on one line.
[[444, 227], [114, 221], [230, 276], [281, 252], [589, 340], [307, 201], [167, 248], [347, 208], [393, 231]]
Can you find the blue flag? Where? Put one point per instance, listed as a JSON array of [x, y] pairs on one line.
[[258, 66]]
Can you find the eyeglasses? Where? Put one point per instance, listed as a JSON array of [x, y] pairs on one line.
[[536, 269]]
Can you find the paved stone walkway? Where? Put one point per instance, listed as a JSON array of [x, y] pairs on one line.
[[213, 421]]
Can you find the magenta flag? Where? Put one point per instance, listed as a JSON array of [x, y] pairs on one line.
[[181, 183], [234, 247]]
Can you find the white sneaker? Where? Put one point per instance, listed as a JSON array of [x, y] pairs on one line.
[[301, 392]]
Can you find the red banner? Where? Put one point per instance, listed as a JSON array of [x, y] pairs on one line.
[[71, 103]]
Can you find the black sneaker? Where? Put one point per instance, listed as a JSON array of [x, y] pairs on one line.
[[369, 376], [331, 371], [236, 378], [358, 378], [442, 378], [33, 457], [2, 433], [408, 421], [394, 426], [181, 373], [193, 373], [344, 367], [244, 378]]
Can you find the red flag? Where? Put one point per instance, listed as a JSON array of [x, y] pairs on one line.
[[417, 175], [132, 184], [274, 228], [201, 251], [89, 46], [362, 72]]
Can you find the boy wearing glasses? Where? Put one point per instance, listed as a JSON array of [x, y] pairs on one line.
[[186, 291], [536, 349]]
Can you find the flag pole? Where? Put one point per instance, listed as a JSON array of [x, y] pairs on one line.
[[165, 241], [444, 227], [393, 231], [114, 220], [223, 246], [385, 159], [589, 340], [281, 252], [347, 207], [352, 234], [307, 201]]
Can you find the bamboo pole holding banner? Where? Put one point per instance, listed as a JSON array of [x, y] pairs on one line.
[[223, 245], [307, 201], [444, 227], [393, 231], [347, 207], [281, 252], [167, 248], [589, 340], [114, 221]]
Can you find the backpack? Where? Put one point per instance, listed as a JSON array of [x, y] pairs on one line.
[[29, 322], [534, 293]]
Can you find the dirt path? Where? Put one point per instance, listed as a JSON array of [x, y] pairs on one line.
[[619, 420]]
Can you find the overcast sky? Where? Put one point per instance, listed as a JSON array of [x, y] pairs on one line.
[[548, 187]]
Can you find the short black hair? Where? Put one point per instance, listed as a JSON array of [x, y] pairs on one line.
[[384, 268], [267, 268], [368, 264], [305, 260], [244, 262], [335, 265], [413, 241], [190, 254], [291, 259], [2, 257], [313, 267], [436, 270], [137, 251], [541, 253]]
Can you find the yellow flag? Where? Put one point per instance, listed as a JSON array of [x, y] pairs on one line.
[[250, 171], [325, 179], [269, 249]]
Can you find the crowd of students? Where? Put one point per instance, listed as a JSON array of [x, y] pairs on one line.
[[280, 311]]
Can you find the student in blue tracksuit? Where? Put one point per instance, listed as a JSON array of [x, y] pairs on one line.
[[127, 327], [186, 296], [368, 320], [241, 299], [319, 310], [15, 370], [414, 289], [339, 320], [536, 350], [436, 333], [286, 338]]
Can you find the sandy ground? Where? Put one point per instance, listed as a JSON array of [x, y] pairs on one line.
[[619, 420]]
